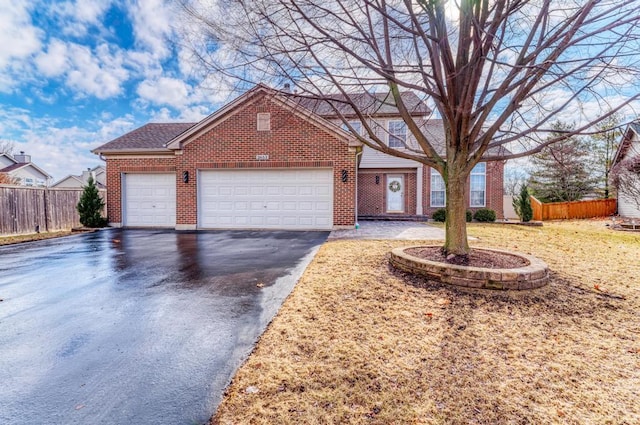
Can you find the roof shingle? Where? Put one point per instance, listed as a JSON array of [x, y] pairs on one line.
[[152, 136], [370, 104]]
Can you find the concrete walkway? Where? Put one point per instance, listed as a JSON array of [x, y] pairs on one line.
[[407, 230]]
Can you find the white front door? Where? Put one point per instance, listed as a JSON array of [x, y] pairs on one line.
[[395, 193]]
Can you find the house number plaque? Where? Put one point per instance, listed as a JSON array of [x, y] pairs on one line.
[[262, 157]]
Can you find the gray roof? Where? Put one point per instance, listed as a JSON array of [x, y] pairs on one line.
[[151, 136], [434, 132], [370, 104]]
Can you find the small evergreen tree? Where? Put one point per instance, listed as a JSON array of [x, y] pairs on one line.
[[90, 206], [522, 204]]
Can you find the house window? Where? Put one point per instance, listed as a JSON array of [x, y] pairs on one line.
[[478, 185], [356, 125], [264, 121], [397, 134], [39, 182], [28, 181], [437, 189]]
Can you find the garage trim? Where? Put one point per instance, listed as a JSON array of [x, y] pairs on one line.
[[148, 199]]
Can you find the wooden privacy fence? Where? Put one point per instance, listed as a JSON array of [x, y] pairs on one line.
[[28, 210], [575, 209]]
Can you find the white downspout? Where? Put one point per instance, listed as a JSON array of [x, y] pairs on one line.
[[356, 179]]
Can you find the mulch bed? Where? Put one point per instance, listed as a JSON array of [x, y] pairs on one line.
[[477, 258]]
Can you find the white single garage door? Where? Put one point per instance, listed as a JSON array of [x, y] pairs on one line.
[[149, 200], [265, 199]]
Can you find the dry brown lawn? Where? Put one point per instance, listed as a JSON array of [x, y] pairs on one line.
[[8, 240], [357, 342]]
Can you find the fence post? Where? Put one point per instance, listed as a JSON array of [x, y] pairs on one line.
[[536, 206], [46, 209]]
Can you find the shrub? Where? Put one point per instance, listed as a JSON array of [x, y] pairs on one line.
[[522, 204], [90, 206], [485, 215], [439, 215]]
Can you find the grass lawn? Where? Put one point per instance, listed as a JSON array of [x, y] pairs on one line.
[[7, 240], [355, 343]]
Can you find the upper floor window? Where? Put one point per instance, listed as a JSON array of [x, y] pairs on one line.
[[356, 125], [28, 181], [478, 185], [397, 134], [438, 196]]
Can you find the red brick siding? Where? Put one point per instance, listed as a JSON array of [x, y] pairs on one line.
[[235, 142], [115, 168], [372, 197]]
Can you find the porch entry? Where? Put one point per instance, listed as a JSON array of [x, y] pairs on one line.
[[395, 193]]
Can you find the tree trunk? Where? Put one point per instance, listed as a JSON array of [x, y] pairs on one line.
[[456, 223]]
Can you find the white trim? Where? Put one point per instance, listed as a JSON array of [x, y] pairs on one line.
[[431, 204], [186, 227], [484, 197], [419, 177]]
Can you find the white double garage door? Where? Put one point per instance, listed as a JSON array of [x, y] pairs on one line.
[[235, 199]]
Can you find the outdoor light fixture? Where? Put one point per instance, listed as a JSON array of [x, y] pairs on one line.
[[345, 176], [185, 177]]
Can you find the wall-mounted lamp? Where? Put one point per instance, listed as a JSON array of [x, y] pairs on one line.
[[377, 179], [185, 177], [345, 176]]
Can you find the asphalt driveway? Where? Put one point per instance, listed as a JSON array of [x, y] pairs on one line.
[[126, 326]]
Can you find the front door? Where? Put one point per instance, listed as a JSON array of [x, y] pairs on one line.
[[395, 194]]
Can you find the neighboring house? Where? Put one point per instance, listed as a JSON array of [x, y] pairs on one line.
[[389, 186], [629, 147], [21, 170], [259, 162], [268, 160], [98, 173]]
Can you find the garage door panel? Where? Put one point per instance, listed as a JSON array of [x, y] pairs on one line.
[[287, 199], [149, 200]]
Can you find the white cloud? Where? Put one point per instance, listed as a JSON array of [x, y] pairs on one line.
[[152, 25], [18, 37], [18, 40], [101, 75], [54, 62], [58, 149], [165, 91], [77, 16]]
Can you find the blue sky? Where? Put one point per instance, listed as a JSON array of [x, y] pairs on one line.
[[75, 74]]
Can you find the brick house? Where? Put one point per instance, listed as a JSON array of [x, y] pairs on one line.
[[271, 161], [261, 161], [389, 186]]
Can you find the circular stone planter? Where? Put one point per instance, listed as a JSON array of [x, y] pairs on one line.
[[534, 275]]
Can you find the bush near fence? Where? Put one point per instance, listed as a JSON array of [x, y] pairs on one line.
[[25, 210], [572, 210]]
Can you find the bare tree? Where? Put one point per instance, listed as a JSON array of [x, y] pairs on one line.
[[6, 146], [625, 177], [5, 178], [497, 72], [514, 179], [604, 144]]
